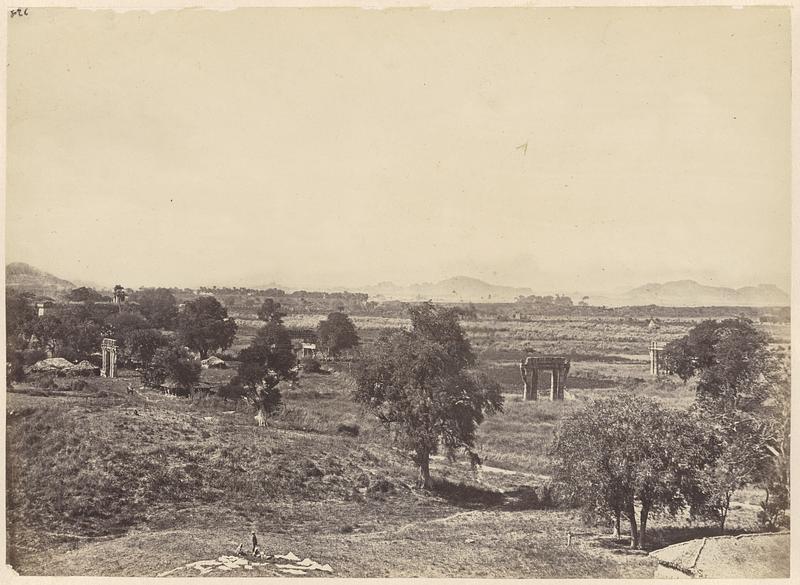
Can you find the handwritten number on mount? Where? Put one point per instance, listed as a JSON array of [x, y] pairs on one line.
[[19, 12]]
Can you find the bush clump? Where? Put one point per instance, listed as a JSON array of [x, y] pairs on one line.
[[309, 365], [348, 429]]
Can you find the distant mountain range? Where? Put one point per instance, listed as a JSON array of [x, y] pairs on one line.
[[456, 289], [693, 294], [26, 278], [680, 293]]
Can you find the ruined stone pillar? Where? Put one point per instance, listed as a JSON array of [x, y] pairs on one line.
[[534, 384], [112, 371], [655, 359], [554, 385], [524, 373], [652, 359], [108, 348]]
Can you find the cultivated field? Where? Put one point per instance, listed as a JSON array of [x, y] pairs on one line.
[[103, 482]]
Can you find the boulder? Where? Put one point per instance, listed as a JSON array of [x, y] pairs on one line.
[[748, 556], [51, 365], [82, 368]]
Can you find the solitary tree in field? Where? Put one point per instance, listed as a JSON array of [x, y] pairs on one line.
[[204, 326], [337, 333], [417, 383], [617, 451]]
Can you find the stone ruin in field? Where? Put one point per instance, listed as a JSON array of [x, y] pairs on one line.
[[529, 369]]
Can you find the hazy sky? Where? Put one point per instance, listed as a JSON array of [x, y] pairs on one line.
[[322, 147]]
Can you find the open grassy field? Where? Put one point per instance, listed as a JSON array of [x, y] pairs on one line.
[[104, 482], [113, 483]]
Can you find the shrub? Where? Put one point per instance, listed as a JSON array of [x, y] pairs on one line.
[[310, 366], [31, 356], [45, 381], [15, 366], [79, 386], [772, 515], [172, 363], [348, 429], [232, 391]]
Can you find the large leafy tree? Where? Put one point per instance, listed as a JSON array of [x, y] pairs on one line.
[[741, 459], [337, 333], [159, 306], [417, 383], [204, 326], [731, 360], [618, 451], [742, 395]]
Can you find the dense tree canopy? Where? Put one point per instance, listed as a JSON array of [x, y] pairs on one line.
[[19, 312], [85, 294], [69, 335], [159, 307], [417, 383], [204, 326], [337, 333], [141, 344], [120, 324]]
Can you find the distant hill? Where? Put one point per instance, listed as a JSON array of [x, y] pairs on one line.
[[693, 294], [26, 278], [456, 289]]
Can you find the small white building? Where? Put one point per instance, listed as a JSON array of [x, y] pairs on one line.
[[306, 349]]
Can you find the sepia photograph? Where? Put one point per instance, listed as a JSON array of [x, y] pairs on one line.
[[374, 292]]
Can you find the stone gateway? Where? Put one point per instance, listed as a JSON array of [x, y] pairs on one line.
[[529, 369]]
